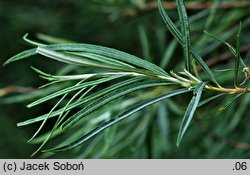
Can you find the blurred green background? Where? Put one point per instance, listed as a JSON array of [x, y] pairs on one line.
[[133, 26]]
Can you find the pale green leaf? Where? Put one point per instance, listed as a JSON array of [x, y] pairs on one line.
[[237, 57], [178, 36], [71, 89], [231, 101], [203, 102], [190, 112], [185, 33], [231, 48], [88, 48], [82, 101], [108, 98], [117, 119], [22, 55]]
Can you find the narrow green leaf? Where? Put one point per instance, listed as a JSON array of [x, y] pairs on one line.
[[209, 99], [77, 60], [81, 76], [29, 96], [178, 36], [99, 50], [102, 59], [39, 71], [25, 38], [230, 101], [210, 19], [70, 89], [237, 58], [61, 116], [212, 14], [169, 52], [46, 118], [231, 48], [223, 70], [206, 69], [69, 58], [40, 139], [52, 39], [20, 56], [144, 43], [185, 33], [59, 119], [169, 23], [82, 101], [117, 119], [196, 72], [190, 111], [163, 123], [108, 98], [109, 52]]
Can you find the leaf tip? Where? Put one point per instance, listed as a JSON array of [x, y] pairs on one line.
[[178, 143], [222, 108], [64, 127], [25, 36], [29, 106], [6, 62], [30, 140]]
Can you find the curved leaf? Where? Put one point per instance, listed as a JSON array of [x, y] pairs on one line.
[[22, 55], [237, 57], [201, 103], [178, 36], [185, 32], [99, 50], [190, 111], [117, 119], [108, 98], [231, 101], [82, 101], [70, 89]]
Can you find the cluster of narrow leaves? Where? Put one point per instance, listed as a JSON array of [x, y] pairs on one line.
[[108, 75]]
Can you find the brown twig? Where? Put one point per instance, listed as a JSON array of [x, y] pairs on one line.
[[15, 89], [229, 90], [197, 5]]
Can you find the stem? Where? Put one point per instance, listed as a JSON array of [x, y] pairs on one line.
[[188, 83], [15, 89], [197, 5], [228, 90]]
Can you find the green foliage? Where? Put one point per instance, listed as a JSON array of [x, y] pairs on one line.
[[190, 111], [185, 33], [107, 103], [118, 118], [185, 44]]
